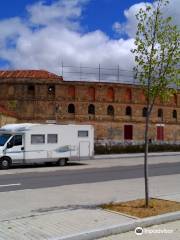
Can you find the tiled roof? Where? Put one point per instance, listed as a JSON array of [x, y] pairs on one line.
[[36, 74], [6, 112]]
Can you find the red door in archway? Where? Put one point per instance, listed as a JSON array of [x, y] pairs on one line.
[[160, 133], [128, 132]]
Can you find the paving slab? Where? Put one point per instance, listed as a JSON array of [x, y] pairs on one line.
[[174, 233], [134, 155], [171, 197], [76, 224], [58, 224]]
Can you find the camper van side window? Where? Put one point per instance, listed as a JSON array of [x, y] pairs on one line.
[[82, 133], [17, 140], [52, 138], [37, 139]]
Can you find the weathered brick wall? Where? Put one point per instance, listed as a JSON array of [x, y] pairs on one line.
[[42, 106], [6, 119]]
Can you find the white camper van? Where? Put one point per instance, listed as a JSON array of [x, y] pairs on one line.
[[29, 143]]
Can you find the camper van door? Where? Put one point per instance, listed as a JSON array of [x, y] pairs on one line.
[[15, 149], [84, 149]]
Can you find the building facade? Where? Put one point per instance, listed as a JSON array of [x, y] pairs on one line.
[[116, 110], [6, 116]]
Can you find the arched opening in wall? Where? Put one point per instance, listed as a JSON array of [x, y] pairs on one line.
[[175, 99], [91, 93], [142, 97], [50, 110], [128, 94], [91, 109], [110, 110], [71, 92], [144, 112], [30, 90], [174, 114], [51, 90], [71, 108], [160, 113], [128, 111], [110, 94], [10, 91]]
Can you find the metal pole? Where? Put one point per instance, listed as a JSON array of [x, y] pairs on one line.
[[62, 68], [80, 71], [99, 72], [118, 72]]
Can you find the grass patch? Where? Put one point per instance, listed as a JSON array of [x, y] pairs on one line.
[[137, 207]]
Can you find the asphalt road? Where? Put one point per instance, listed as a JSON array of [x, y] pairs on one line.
[[68, 177]]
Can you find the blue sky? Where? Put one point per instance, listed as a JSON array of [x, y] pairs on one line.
[[41, 34], [103, 13], [98, 14]]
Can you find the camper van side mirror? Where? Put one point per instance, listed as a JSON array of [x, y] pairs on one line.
[[9, 144]]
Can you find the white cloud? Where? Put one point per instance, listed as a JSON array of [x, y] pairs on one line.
[[61, 11], [129, 26], [119, 28], [11, 29], [52, 33]]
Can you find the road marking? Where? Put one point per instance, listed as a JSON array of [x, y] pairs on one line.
[[10, 185]]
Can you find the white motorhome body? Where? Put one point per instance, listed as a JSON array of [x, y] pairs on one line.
[[28, 143]]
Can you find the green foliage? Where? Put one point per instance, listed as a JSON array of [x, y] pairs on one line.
[[118, 149], [157, 58], [157, 52]]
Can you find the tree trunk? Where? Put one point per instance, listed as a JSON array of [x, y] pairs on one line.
[[146, 162]]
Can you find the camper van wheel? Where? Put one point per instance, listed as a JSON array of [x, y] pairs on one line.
[[5, 163], [62, 162]]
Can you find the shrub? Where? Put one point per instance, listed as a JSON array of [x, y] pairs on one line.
[[118, 149]]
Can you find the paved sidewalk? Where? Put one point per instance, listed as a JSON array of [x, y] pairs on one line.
[[133, 155], [58, 224], [74, 222], [79, 224], [172, 226]]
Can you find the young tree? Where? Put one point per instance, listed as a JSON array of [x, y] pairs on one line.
[[157, 56]]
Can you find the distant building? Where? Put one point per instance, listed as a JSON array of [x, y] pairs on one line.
[[116, 110], [6, 116]]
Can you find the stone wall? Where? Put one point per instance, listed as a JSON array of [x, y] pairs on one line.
[[4, 119], [37, 101]]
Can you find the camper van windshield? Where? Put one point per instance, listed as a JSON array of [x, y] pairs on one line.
[[4, 138]]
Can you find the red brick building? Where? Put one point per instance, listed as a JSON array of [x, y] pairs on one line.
[[116, 110], [6, 116]]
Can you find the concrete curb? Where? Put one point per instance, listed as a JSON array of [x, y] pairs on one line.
[[117, 229], [134, 155]]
